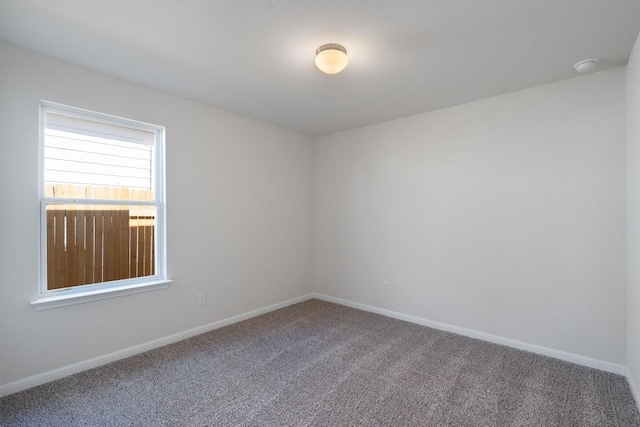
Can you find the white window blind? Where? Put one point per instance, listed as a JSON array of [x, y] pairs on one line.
[[84, 152]]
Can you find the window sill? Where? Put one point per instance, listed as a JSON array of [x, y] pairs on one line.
[[44, 303]]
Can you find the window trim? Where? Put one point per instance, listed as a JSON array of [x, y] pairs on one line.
[[91, 292]]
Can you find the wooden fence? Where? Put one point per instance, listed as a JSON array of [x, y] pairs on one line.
[[71, 191], [98, 243]]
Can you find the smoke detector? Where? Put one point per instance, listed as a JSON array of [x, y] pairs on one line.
[[585, 65]]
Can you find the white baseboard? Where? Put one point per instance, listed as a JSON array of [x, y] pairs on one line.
[[45, 377], [557, 354], [65, 371], [634, 388]]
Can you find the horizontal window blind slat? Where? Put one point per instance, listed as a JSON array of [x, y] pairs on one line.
[[91, 163], [102, 159], [91, 153], [67, 143], [103, 130], [95, 169], [62, 177]]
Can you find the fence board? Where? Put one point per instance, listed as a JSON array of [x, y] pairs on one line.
[[98, 252], [133, 247], [89, 254], [109, 256], [69, 247], [51, 240], [123, 242], [152, 251], [79, 247], [59, 277], [140, 261], [145, 248]]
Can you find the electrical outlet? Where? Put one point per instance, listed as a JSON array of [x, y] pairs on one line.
[[202, 298], [386, 287]]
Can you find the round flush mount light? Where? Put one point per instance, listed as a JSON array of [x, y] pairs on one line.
[[585, 65], [331, 58]]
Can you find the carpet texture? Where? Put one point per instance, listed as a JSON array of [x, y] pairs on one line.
[[321, 364]]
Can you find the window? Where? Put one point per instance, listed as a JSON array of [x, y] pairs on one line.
[[102, 206]]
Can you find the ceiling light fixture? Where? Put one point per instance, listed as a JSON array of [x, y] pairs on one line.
[[585, 65], [331, 58]]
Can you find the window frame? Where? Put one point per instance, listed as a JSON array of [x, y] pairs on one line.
[[46, 298]]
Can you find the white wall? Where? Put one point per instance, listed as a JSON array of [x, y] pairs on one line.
[[239, 209], [504, 216], [633, 217]]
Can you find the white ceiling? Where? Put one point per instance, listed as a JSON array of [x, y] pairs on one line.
[[255, 57]]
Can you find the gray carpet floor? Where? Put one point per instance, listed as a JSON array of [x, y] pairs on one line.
[[321, 364]]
